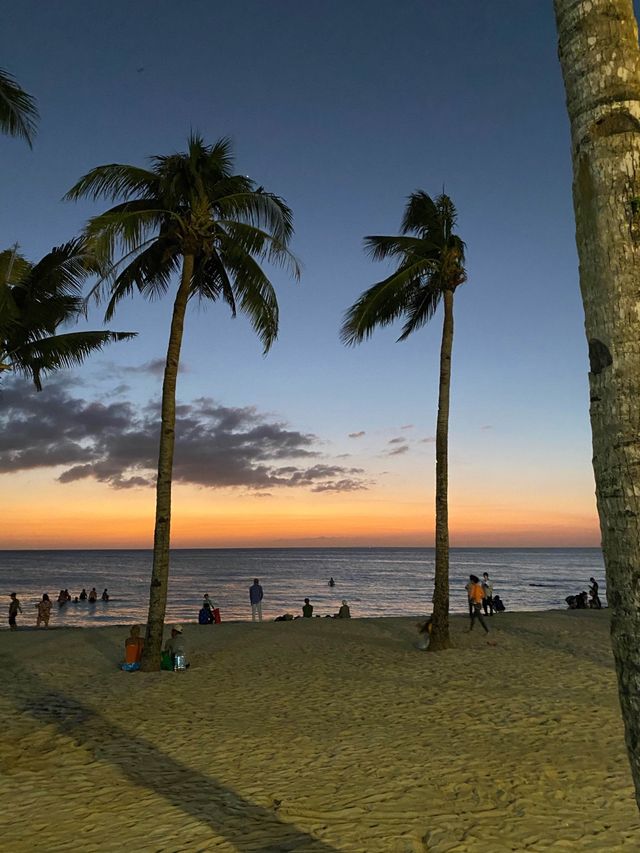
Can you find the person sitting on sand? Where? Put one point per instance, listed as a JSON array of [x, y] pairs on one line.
[[307, 609], [344, 612], [593, 593], [498, 606], [14, 609], [105, 595], [133, 645], [93, 595], [44, 611], [424, 630], [83, 594]]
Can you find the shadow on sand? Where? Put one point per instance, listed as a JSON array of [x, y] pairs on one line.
[[194, 793]]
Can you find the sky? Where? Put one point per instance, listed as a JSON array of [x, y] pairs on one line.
[[343, 109]]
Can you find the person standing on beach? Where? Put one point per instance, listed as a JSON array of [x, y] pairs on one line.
[[307, 609], [256, 595], [44, 611], [487, 601], [14, 609], [593, 592], [476, 596]]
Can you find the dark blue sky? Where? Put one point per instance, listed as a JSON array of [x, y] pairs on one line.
[[343, 109]]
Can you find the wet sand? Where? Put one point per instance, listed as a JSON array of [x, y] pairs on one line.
[[319, 735]]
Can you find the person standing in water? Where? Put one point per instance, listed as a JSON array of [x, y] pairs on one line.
[[44, 611], [593, 592], [14, 609]]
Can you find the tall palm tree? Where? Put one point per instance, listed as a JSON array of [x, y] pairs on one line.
[[430, 267], [598, 49], [189, 213], [35, 301], [18, 111]]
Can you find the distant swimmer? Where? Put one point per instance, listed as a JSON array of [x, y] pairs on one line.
[[332, 582], [105, 595], [93, 596]]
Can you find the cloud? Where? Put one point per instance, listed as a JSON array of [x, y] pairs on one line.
[[397, 440], [398, 450], [357, 434], [430, 439], [407, 426], [115, 442], [487, 426]]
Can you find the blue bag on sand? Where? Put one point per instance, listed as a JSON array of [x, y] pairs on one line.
[[130, 667]]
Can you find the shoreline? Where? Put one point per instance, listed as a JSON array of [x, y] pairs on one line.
[[325, 735]]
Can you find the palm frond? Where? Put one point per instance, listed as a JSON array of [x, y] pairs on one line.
[[150, 272], [62, 351], [18, 110], [261, 244], [383, 303], [259, 209], [114, 181], [253, 293], [380, 248]]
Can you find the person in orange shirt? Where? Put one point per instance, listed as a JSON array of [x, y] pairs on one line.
[[476, 596], [133, 646]]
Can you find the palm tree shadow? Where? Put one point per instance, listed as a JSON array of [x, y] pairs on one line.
[[193, 792]]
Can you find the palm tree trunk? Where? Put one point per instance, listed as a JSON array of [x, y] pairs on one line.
[[162, 533], [440, 621], [598, 46]]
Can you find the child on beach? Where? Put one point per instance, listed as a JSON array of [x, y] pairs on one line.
[[14, 609], [44, 611]]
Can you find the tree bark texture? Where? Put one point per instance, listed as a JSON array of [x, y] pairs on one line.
[[440, 619], [598, 48], [162, 533]]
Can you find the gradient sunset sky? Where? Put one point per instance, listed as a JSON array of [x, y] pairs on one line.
[[343, 108]]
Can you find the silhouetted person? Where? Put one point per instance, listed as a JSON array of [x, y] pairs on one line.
[[255, 597], [487, 601], [44, 611], [307, 610], [332, 582], [83, 594], [593, 592], [105, 595], [344, 612], [14, 609], [93, 595]]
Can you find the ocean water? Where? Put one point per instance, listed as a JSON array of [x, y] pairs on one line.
[[375, 581]]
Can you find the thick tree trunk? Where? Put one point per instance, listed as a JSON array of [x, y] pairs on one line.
[[162, 533], [598, 46], [440, 622]]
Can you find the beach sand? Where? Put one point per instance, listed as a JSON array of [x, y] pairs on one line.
[[318, 735]]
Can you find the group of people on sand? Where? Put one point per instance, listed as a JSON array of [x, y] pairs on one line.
[[256, 595], [173, 655], [582, 601]]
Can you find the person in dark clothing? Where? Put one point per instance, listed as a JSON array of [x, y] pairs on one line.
[[256, 595], [593, 592], [307, 610], [14, 609]]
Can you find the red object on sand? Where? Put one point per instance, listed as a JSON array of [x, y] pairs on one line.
[[216, 616]]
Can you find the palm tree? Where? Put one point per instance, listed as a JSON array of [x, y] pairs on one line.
[[188, 212], [430, 267], [598, 48], [18, 111], [35, 301]]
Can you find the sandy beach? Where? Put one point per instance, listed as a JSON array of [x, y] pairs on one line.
[[319, 735]]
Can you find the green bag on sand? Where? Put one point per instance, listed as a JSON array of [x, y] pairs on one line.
[[166, 661]]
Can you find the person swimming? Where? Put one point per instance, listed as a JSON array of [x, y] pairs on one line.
[[332, 582]]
